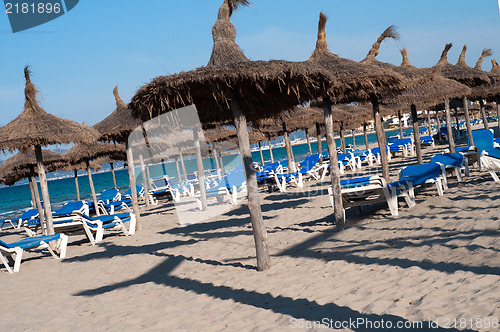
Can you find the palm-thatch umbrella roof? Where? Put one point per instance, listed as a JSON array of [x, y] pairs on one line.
[[83, 152], [349, 80], [488, 92], [34, 126], [231, 87], [18, 166], [119, 124], [263, 88], [412, 74], [431, 91], [460, 72]]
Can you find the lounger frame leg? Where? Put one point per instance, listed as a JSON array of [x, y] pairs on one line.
[[5, 263]]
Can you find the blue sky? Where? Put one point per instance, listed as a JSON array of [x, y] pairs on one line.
[[78, 58]]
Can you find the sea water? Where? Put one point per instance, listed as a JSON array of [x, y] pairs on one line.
[[16, 199]]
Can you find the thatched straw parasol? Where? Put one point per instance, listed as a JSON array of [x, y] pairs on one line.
[[233, 87], [23, 165], [428, 93], [462, 74], [491, 92], [35, 127], [84, 153], [350, 81], [116, 127]]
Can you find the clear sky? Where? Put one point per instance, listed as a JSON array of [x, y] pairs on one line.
[[78, 58]]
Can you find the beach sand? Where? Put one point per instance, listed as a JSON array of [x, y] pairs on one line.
[[437, 262]]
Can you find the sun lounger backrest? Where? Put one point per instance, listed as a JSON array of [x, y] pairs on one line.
[[70, 207], [109, 195], [28, 214], [448, 159], [392, 139], [160, 183], [309, 163], [420, 173], [483, 139], [273, 167]]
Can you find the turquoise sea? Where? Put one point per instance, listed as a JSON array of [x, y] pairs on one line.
[[16, 199]]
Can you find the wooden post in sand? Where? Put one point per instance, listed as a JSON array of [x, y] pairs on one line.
[[133, 187], [400, 124], [45, 189], [438, 123], [498, 113], [288, 148], [201, 170], [261, 155], [36, 201], [308, 141], [451, 141], [259, 229], [380, 138], [416, 134], [221, 164], [183, 166], [342, 137], [429, 125], [214, 153], [144, 181], [467, 121], [178, 169], [77, 187], [365, 133], [92, 189], [114, 177], [353, 139], [483, 115], [270, 148], [338, 209], [318, 137]]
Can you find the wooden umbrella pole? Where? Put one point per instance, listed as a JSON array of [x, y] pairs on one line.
[[318, 137], [338, 210], [449, 130], [45, 189], [32, 193], [113, 173], [77, 187], [400, 118], [271, 149], [164, 170], [483, 115], [416, 134], [342, 137], [365, 133], [183, 167], [457, 120], [353, 139], [308, 141], [214, 152], [429, 125], [37, 202], [261, 155], [133, 187], [144, 180], [288, 149], [498, 113], [259, 229], [92, 189], [438, 123], [222, 163], [178, 169], [148, 173], [201, 170], [467, 121], [380, 138]]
